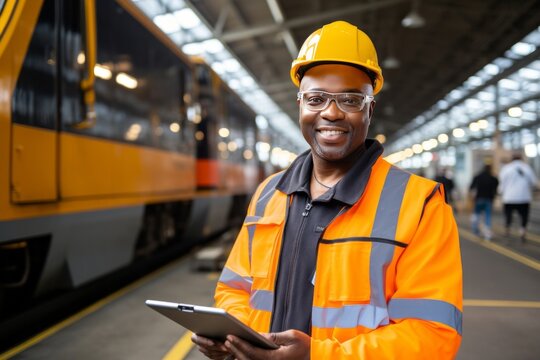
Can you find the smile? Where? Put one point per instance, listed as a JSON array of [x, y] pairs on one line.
[[330, 132]]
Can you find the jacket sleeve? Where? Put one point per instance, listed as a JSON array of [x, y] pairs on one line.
[[426, 309], [234, 285]]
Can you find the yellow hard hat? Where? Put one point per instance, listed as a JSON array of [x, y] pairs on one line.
[[338, 42]]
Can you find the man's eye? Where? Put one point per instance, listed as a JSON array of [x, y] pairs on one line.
[[351, 101], [315, 100]]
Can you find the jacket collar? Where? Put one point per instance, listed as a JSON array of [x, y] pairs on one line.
[[349, 190]]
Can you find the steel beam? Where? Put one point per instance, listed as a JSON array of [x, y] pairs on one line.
[[277, 14], [232, 36]]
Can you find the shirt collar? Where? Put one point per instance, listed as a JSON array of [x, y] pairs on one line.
[[348, 190]]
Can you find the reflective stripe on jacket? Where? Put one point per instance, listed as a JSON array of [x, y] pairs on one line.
[[388, 280]]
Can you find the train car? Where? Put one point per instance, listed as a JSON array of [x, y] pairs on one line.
[[102, 121], [227, 162]]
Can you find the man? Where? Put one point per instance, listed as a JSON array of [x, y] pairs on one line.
[[517, 182], [343, 255], [484, 186]]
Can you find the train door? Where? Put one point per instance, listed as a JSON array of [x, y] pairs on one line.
[[34, 104]]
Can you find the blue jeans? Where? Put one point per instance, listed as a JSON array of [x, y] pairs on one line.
[[485, 206]]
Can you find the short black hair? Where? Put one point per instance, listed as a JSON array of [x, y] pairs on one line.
[[371, 74]]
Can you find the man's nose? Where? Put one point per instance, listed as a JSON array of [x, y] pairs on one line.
[[332, 111]]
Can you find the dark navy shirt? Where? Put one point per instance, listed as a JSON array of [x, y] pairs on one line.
[[305, 224]]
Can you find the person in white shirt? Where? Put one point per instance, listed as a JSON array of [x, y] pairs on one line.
[[517, 181]]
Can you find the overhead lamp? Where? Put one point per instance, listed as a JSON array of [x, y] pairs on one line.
[[391, 62], [187, 18], [126, 80], [413, 19]]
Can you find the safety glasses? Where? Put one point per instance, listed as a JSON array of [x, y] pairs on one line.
[[347, 102]]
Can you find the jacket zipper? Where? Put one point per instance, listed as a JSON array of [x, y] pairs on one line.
[[341, 211], [305, 214]]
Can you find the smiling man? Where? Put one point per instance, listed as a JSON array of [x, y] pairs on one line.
[[343, 255]]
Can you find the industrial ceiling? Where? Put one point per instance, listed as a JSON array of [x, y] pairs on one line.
[[420, 64]]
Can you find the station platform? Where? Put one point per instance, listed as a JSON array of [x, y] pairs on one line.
[[501, 307]]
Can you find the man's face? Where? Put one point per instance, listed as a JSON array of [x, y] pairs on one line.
[[331, 133]]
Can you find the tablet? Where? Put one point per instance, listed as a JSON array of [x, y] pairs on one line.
[[209, 322]]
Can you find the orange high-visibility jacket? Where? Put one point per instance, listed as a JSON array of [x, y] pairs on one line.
[[388, 278]]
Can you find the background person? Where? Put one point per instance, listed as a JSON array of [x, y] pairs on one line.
[[517, 181], [343, 255], [443, 178], [484, 186]]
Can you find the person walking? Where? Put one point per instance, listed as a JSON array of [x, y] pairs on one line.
[[484, 186], [343, 255], [517, 181]]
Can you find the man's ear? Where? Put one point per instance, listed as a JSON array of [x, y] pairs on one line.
[[371, 109]]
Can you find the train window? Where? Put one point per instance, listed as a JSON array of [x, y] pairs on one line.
[[241, 122], [34, 96], [142, 89], [2, 3], [73, 62]]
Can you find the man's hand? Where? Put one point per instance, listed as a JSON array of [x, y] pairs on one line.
[[293, 344], [210, 348]]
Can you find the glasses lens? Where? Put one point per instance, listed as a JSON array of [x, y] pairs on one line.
[[350, 102], [319, 100], [315, 100]]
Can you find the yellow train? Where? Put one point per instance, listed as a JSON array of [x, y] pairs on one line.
[[113, 145]]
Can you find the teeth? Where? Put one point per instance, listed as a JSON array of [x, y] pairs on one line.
[[332, 132]]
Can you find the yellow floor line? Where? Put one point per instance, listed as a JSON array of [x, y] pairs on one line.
[[89, 310], [181, 349], [501, 250], [502, 303]]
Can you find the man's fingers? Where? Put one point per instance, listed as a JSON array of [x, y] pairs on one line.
[[242, 350], [210, 348], [201, 340], [282, 338]]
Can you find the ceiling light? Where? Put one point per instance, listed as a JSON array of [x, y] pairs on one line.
[[482, 124], [531, 150], [515, 112], [192, 49], [474, 127], [168, 23], [443, 138], [391, 62], [81, 58], [509, 84], [413, 19], [223, 132], [102, 72], [491, 69], [523, 49], [408, 152], [529, 74], [458, 133], [231, 65], [417, 148], [261, 121], [187, 18], [212, 46], [126, 80]]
